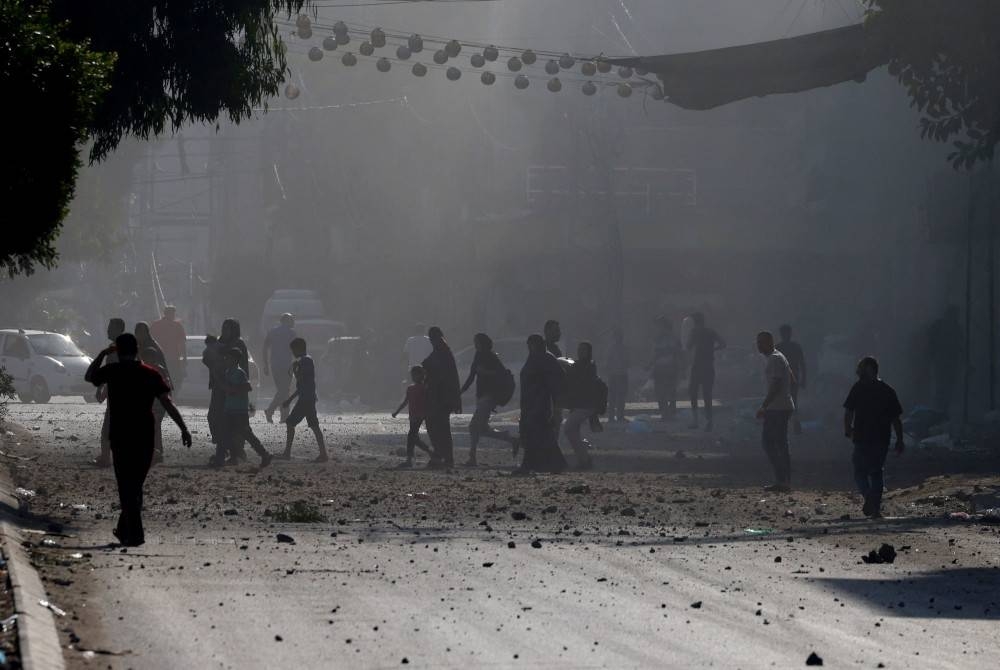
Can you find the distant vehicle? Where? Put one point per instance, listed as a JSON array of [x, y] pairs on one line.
[[302, 303], [513, 352], [195, 389], [336, 373], [318, 332], [44, 364]]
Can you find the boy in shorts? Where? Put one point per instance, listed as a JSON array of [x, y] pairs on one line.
[[416, 400], [304, 371]]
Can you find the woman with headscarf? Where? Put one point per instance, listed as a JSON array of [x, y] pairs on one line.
[[444, 398], [229, 339], [152, 355], [542, 381], [487, 371]]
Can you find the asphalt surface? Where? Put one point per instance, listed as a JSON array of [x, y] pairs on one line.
[[646, 562]]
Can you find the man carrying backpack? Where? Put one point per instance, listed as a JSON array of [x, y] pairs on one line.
[[494, 387]]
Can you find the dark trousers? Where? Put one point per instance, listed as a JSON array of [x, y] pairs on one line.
[[217, 416], [774, 438], [869, 469], [541, 448], [439, 431], [132, 461], [617, 395], [703, 380], [413, 437], [665, 388], [237, 433]]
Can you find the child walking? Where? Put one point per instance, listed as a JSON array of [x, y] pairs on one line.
[[416, 400], [304, 371]]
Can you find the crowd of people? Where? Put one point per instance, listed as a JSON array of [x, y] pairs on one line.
[[558, 396]]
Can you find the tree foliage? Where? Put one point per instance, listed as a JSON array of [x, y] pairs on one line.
[[52, 87], [947, 55], [100, 70]]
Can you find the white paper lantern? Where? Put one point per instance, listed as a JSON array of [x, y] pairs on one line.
[[378, 38], [491, 53], [566, 61], [419, 69], [315, 54], [453, 74], [589, 69], [440, 57], [343, 39], [603, 66], [624, 90], [589, 88], [349, 59], [488, 78], [366, 48], [625, 72], [383, 64], [529, 57], [304, 32], [477, 60], [521, 82], [291, 91], [514, 64], [340, 28], [554, 85], [552, 67], [403, 52], [330, 42], [453, 48]]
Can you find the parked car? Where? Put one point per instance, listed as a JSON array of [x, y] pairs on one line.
[[194, 389], [336, 375], [44, 364]]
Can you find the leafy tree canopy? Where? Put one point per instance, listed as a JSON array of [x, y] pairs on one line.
[[947, 55]]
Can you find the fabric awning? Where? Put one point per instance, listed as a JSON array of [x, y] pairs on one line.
[[706, 79]]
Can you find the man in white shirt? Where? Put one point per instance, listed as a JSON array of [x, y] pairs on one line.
[[776, 410], [417, 348]]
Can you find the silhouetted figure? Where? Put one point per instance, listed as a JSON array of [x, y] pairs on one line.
[[304, 371], [945, 347], [489, 373], [792, 351], [152, 355], [581, 400], [553, 333], [277, 358], [665, 369], [229, 338], [116, 327], [132, 387], [776, 410], [169, 333], [542, 379], [871, 411], [416, 404], [702, 343], [617, 370], [211, 358], [236, 384], [444, 398]]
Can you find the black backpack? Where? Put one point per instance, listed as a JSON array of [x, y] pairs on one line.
[[505, 387]]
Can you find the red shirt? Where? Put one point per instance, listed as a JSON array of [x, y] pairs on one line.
[[171, 337], [132, 389], [416, 400]]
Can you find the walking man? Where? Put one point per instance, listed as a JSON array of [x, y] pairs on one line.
[[277, 358], [792, 352], [581, 387], [116, 327], [870, 411], [489, 373], [304, 371], [776, 410], [132, 387], [169, 333], [702, 343]]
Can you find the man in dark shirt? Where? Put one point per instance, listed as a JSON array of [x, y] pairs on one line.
[[792, 351], [872, 411], [703, 342], [304, 371], [132, 387]]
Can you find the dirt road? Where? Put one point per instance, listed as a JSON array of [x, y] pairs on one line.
[[669, 556]]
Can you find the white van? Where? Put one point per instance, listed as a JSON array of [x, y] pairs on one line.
[[303, 303], [44, 364]]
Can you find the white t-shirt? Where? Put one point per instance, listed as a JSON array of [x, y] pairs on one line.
[[776, 369], [417, 348]]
